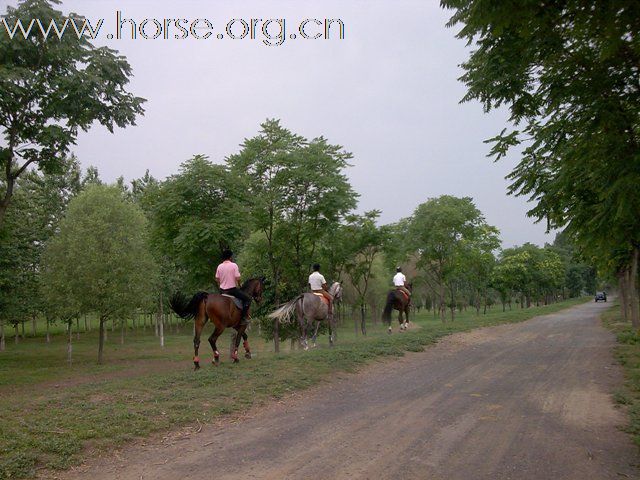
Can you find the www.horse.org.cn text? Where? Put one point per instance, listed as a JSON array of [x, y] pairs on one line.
[[271, 32]]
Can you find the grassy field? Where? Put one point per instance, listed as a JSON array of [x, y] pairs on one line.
[[628, 354], [52, 414]]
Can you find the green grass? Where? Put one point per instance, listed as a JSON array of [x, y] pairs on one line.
[[627, 352], [53, 414]]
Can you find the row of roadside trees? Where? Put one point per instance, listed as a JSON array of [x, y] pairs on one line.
[[568, 73], [71, 246], [282, 203]]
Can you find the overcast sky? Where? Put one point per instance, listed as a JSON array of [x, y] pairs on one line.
[[387, 92]]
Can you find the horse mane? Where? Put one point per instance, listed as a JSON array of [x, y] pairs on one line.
[[249, 281]]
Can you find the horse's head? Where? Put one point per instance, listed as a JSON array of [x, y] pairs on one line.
[[336, 291], [255, 288]]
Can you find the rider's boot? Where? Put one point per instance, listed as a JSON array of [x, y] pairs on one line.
[[245, 316]]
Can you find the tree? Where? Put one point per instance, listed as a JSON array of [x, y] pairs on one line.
[[39, 205], [568, 72], [366, 241], [195, 215], [99, 261], [445, 232], [50, 88], [297, 193]]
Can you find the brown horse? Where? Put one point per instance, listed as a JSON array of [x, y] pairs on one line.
[[223, 313], [397, 300]]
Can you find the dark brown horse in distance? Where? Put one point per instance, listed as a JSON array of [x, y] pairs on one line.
[[223, 313], [397, 300]]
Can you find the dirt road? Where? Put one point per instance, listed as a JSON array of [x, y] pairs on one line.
[[524, 401]]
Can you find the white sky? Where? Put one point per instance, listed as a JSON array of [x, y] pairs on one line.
[[388, 92]]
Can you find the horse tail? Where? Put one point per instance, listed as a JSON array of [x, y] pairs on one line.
[[285, 312], [186, 308], [386, 314]]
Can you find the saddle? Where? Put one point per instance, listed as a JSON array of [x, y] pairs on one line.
[[236, 300], [322, 297], [403, 293]]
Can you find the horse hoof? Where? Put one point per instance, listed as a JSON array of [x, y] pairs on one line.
[[247, 355], [196, 366], [215, 362]]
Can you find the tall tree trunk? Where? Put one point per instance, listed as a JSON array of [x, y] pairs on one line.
[[2, 342], [363, 324], [276, 326], [16, 337], [69, 340], [101, 339], [48, 333], [24, 335], [633, 289], [10, 182], [161, 320], [122, 322], [624, 302], [78, 328], [34, 330], [86, 325]]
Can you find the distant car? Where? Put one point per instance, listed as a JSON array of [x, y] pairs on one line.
[[601, 297]]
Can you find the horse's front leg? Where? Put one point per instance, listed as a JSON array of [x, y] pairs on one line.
[[332, 330], [239, 335], [245, 344]]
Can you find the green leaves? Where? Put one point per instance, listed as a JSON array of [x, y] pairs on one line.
[[195, 215], [297, 193], [99, 261], [51, 88], [568, 72]]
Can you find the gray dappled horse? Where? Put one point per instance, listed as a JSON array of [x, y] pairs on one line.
[[310, 310]]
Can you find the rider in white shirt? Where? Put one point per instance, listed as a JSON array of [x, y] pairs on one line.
[[318, 284], [400, 281]]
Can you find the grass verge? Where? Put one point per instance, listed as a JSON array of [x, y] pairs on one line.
[[51, 425], [627, 352]]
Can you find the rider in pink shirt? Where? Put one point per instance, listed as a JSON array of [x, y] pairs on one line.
[[228, 277]]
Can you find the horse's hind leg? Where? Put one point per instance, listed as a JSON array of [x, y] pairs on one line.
[[245, 344], [303, 324], [315, 334], [212, 341], [200, 321], [406, 317]]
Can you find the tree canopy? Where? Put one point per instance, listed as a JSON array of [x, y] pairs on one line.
[[99, 261], [50, 88], [568, 73]]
